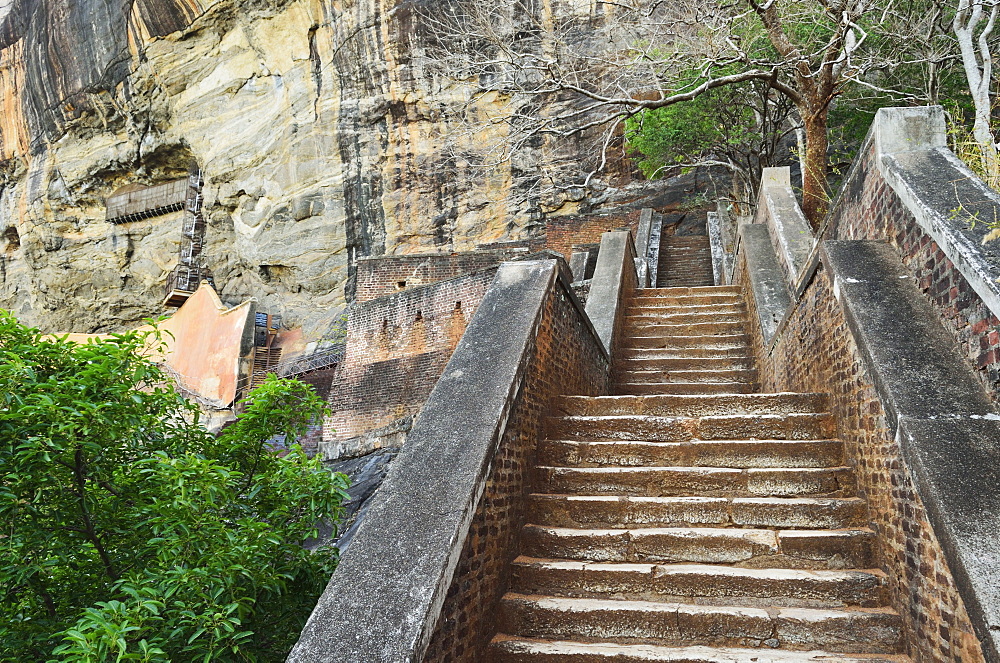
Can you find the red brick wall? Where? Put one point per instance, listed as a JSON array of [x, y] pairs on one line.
[[870, 209], [397, 348], [562, 232], [386, 275], [565, 359], [816, 352]]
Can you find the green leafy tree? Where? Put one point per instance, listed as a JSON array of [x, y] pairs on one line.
[[129, 533], [742, 128], [578, 73]]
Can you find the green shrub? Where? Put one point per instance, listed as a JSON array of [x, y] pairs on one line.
[[129, 533]]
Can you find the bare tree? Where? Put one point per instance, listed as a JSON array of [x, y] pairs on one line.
[[577, 68], [973, 27]]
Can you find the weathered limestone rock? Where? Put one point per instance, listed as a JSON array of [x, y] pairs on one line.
[[317, 123]]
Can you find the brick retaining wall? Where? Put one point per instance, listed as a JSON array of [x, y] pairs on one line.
[[562, 232], [397, 347], [565, 359], [816, 352], [870, 209], [378, 276]]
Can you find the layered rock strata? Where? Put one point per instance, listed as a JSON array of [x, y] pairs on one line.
[[319, 125]]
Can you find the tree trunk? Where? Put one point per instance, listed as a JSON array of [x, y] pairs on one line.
[[815, 196], [983, 134]]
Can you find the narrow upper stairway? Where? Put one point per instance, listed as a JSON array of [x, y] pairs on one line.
[[685, 261], [691, 520]]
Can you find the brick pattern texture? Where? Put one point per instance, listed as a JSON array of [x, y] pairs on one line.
[[870, 209], [564, 359], [397, 347], [563, 232], [387, 275], [816, 352]]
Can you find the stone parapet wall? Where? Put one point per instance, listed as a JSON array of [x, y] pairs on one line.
[[816, 352], [869, 208], [893, 323], [564, 358], [422, 579], [397, 347]]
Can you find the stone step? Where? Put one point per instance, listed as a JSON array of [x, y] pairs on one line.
[[708, 583], [737, 307], [708, 481], [713, 328], [693, 406], [757, 548], [657, 388], [710, 341], [694, 453], [683, 255], [707, 279], [645, 319], [685, 270], [715, 289], [685, 364], [508, 649], [624, 511], [871, 630], [747, 375], [679, 298], [625, 353], [674, 299], [680, 429]]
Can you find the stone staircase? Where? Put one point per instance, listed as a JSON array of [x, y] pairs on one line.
[[691, 520], [685, 262]]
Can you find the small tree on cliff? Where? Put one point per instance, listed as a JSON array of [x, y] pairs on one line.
[[568, 71], [129, 533]]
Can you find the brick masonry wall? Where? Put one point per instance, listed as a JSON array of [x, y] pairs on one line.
[[565, 359], [562, 232], [870, 209], [386, 275], [397, 348], [815, 352]]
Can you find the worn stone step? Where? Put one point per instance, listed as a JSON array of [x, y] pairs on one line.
[[806, 426], [758, 548], [685, 364], [629, 511], [710, 481], [713, 341], [685, 299], [736, 307], [690, 352], [510, 649], [645, 319], [871, 630], [694, 406], [718, 289], [708, 583], [713, 328], [693, 453], [687, 376], [655, 388], [687, 273]]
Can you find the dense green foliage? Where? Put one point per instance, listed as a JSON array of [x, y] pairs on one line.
[[743, 128], [129, 533]]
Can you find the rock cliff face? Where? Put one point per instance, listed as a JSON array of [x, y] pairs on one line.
[[317, 124]]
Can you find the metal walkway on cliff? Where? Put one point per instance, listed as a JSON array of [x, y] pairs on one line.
[[190, 271]]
